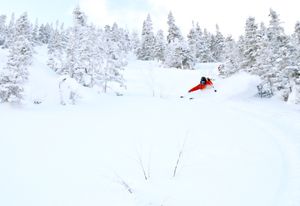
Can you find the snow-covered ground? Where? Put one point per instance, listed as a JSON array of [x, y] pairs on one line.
[[234, 149]]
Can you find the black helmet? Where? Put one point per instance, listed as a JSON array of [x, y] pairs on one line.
[[203, 80]]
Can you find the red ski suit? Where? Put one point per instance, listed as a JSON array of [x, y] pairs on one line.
[[201, 86]]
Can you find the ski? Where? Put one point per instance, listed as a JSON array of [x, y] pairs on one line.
[[190, 98]]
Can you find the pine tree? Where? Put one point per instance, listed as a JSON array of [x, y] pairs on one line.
[[296, 35], [199, 44], [263, 55], [114, 61], [275, 55], [98, 56], [120, 36], [160, 46], [217, 45], [232, 56], [295, 41], [15, 73], [203, 53], [173, 30], [178, 55], [10, 32], [206, 53], [277, 39], [2, 30], [293, 73], [45, 32], [80, 50], [56, 51], [134, 42], [263, 66], [22, 35], [146, 51], [278, 56], [35, 33], [192, 40], [251, 46]]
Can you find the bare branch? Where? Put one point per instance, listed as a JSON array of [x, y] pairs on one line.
[[126, 186], [122, 182], [179, 157], [149, 164], [142, 167]]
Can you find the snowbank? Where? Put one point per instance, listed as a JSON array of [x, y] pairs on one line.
[[239, 86]]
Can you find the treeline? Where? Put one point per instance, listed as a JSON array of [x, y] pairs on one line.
[[90, 55], [262, 50], [96, 56]]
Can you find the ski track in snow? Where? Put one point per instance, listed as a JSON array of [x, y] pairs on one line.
[[289, 145], [238, 149]]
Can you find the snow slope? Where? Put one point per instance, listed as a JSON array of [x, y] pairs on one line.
[[236, 149]]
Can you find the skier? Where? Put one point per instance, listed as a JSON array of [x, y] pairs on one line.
[[209, 82], [205, 83]]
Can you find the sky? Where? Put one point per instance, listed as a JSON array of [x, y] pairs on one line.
[[230, 15]]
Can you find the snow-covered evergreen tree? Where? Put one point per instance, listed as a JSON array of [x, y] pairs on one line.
[[98, 56], [192, 41], [232, 56], [23, 40], [160, 46], [217, 45], [199, 44], [178, 55], [263, 66], [263, 54], [297, 32], [80, 50], [173, 30], [147, 51], [134, 42], [44, 33], [64, 35], [56, 51], [278, 55], [35, 33], [3, 30], [206, 52], [203, 53], [293, 73], [10, 31], [295, 41], [121, 36], [114, 61], [277, 41], [250, 46], [14, 75], [293, 70]]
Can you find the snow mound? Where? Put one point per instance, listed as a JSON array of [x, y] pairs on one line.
[[239, 86]]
